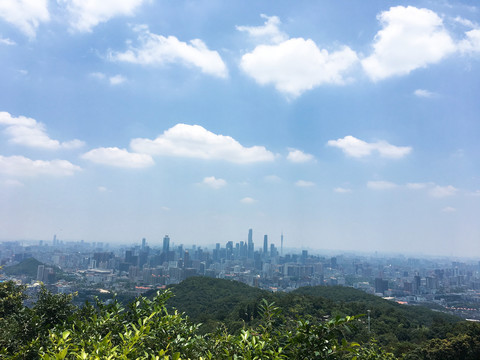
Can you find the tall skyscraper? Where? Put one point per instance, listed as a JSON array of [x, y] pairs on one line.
[[265, 245], [144, 243], [281, 245], [166, 244], [250, 249]]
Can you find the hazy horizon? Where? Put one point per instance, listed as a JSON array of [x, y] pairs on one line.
[[346, 125]]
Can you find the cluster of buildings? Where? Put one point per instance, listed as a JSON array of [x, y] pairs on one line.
[[138, 268]]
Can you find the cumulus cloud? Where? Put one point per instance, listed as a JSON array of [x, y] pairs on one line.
[[297, 65], [410, 38], [194, 141], [22, 166], [342, 190], [248, 200], [113, 156], [213, 182], [29, 132], [294, 65], [269, 32], [304, 183], [298, 156], [471, 43], [381, 185], [160, 50], [422, 93], [86, 14], [357, 148], [117, 80], [26, 15], [442, 191]]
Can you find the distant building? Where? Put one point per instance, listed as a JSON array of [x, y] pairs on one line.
[[250, 246], [166, 244], [381, 285], [265, 245]]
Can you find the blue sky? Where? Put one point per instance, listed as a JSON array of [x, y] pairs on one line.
[[348, 125]]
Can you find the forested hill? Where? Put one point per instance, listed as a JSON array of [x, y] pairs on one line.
[[27, 267], [214, 301]]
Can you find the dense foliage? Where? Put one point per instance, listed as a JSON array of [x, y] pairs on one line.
[[146, 329]]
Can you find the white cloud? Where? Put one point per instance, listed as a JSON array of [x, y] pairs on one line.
[[113, 156], [341, 190], [449, 209], [28, 132], [117, 79], [418, 186], [269, 32], [381, 185], [410, 38], [304, 183], [465, 22], [194, 141], [7, 41], [272, 179], [443, 191], [26, 15], [22, 166], [357, 148], [98, 75], [86, 14], [214, 183], [248, 200], [102, 189], [298, 156], [297, 65], [471, 43], [424, 93], [433, 189], [159, 50]]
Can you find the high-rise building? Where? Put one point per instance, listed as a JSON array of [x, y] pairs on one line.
[[40, 272], [166, 244], [281, 244], [265, 245], [144, 243], [250, 246], [229, 249]]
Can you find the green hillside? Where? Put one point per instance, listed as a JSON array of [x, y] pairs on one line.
[[214, 301], [297, 326], [27, 267]]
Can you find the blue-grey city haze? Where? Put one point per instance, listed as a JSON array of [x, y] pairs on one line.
[[346, 125]]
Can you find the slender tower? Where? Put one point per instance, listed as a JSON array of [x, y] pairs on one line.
[[281, 245]]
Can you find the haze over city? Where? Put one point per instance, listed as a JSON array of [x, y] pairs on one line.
[[346, 125]]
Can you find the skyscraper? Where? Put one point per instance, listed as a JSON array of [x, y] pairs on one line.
[[166, 244], [265, 245], [250, 249], [281, 245]]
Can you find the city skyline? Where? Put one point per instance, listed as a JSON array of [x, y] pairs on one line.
[[348, 126]]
